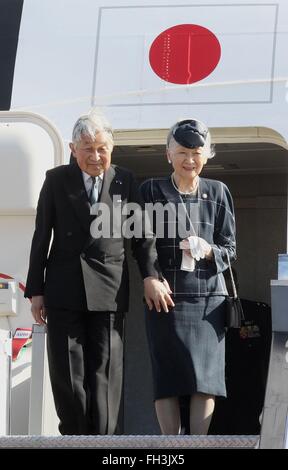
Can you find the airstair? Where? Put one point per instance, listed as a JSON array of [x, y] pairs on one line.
[[274, 427]]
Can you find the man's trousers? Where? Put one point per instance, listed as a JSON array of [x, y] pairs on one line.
[[85, 355]]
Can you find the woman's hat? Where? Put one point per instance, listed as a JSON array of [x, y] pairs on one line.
[[190, 133]]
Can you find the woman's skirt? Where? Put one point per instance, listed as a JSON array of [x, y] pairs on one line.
[[187, 347]]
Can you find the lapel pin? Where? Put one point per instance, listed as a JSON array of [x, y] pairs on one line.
[[118, 181]]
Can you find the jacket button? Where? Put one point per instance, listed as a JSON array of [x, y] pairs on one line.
[[69, 234], [83, 255]]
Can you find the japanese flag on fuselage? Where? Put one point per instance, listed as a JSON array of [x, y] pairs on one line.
[[126, 66]]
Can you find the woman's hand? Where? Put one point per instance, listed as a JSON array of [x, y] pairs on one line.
[[197, 247], [157, 293]]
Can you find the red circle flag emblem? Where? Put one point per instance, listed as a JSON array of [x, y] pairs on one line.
[[184, 54]]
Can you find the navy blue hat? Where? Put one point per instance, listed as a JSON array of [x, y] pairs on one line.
[[190, 133]]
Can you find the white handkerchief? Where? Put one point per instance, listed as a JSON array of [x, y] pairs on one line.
[[197, 245], [194, 248], [188, 263]]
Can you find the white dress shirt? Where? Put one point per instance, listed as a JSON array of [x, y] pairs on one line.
[[88, 183]]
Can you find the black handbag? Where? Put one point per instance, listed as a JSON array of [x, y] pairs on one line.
[[234, 312]]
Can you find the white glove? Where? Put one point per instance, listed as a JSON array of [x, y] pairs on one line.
[[194, 248]]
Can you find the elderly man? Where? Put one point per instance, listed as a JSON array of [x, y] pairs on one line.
[[80, 286]]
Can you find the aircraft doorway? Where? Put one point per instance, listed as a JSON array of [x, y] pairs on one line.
[[253, 162]]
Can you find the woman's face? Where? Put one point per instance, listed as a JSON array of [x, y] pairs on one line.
[[187, 163]]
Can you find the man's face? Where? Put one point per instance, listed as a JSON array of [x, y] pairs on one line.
[[93, 156]]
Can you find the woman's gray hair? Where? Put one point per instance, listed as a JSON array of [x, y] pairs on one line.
[[209, 148], [90, 124]]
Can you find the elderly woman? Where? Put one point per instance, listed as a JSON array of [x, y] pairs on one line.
[[187, 344]]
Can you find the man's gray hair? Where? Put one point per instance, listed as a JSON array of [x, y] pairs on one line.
[[90, 124], [209, 148]]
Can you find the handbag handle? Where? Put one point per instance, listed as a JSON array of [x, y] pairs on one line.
[[232, 277]]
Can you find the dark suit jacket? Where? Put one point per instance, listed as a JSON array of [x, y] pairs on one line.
[[212, 216], [80, 271]]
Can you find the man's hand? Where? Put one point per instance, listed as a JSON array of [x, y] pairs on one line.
[[38, 309], [157, 293]]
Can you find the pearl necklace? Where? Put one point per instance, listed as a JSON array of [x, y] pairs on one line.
[[181, 192]]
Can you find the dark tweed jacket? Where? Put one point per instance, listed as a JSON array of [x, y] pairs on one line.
[[212, 217]]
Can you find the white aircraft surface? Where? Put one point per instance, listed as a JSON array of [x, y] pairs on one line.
[[146, 64]]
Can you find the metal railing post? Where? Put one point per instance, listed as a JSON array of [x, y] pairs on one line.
[[5, 381], [275, 413], [42, 415]]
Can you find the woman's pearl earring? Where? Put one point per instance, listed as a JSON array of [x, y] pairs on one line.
[[169, 161]]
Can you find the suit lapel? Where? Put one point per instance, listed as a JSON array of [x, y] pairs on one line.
[[77, 195], [112, 191], [106, 195], [204, 195], [169, 192], [176, 204], [204, 189]]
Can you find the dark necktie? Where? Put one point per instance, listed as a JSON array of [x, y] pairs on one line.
[[93, 197]]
